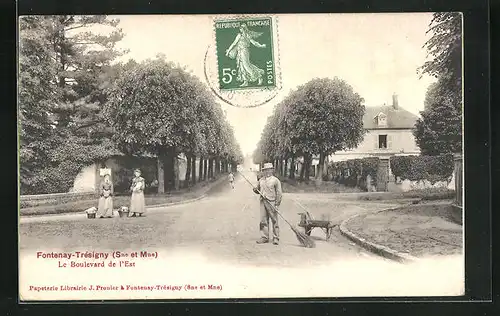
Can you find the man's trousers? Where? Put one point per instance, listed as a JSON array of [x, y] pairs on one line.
[[267, 212]]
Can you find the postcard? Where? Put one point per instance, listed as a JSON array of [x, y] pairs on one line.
[[240, 156]]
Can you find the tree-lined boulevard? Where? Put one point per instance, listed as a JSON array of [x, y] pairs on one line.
[[79, 106]]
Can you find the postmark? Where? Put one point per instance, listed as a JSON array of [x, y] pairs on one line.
[[242, 64]]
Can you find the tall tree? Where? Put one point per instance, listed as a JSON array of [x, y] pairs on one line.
[[159, 108], [37, 96], [324, 116], [74, 55], [445, 49], [150, 109], [439, 130]]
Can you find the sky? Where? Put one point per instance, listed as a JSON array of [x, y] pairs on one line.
[[377, 54]]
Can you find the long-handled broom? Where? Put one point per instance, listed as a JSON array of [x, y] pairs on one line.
[[304, 240]]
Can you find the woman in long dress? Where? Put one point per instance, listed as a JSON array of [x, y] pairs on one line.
[[137, 202], [240, 49], [105, 207]]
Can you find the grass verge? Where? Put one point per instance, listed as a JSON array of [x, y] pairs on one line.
[[419, 230]]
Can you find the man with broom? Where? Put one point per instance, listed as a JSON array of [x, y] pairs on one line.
[[270, 188]]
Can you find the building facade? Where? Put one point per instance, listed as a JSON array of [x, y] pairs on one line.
[[389, 132]]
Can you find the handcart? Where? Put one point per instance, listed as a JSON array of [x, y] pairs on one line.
[[309, 223]]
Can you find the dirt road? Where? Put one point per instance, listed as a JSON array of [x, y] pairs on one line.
[[224, 226]]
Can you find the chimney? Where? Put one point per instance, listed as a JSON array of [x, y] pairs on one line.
[[395, 103]]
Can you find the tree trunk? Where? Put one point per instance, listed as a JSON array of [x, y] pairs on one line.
[[210, 168], [188, 171], [176, 173], [307, 165], [193, 170], [326, 172], [217, 166], [292, 167], [303, 168], [321, 167], [169, 169], [200, 169], [285, 169], [205, 169], [160, 171]]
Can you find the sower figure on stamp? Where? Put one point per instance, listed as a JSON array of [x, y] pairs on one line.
[[240, 49], [270, 187]]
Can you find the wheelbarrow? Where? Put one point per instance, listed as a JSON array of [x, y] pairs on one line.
[[309, 223]]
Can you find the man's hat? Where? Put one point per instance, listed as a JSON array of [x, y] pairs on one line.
[[267, 165]]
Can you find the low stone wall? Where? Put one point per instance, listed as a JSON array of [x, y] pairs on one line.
[[26, 201], [407, 185]]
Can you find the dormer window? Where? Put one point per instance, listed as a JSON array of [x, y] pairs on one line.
[[381, 119]]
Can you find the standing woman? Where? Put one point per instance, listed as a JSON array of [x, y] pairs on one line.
[[105, 208], [137, 203]]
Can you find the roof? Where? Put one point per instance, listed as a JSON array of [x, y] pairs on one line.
[[399, 118]]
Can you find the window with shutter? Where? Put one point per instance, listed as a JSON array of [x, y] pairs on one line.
[[382, 141]]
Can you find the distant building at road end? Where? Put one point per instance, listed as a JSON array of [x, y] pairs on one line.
[[389, 132]]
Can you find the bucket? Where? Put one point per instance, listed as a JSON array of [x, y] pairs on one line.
[[123, 211], [91, 212]]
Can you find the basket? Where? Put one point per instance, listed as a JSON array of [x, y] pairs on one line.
[[91, 212], [123, 211]]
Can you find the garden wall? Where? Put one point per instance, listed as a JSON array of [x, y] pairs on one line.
[[55, 198], [409, 172], [423, 172]]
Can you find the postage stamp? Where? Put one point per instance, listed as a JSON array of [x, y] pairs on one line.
[[245, 53], [242, 64]]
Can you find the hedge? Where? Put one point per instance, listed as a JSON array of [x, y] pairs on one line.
[[418, 168], [353, 172]]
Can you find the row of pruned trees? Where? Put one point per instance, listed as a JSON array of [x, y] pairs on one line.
[[315, 120], [161, 109], [325, 115], [77, 106]]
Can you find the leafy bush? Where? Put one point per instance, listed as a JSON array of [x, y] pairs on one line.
[[64, 163], [353, 172], [418, 168]]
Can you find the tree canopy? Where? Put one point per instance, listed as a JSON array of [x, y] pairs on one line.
[[63, 66], [318, 118], [78, 106], [159, 108], [439, 130]]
